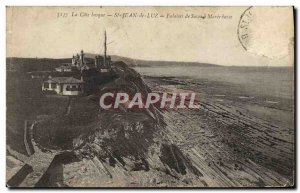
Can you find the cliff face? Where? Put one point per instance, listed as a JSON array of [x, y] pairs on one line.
[[133, 139]]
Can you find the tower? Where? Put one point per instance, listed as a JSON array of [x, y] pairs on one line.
[[81, 58], [73, 61], [105, 49]]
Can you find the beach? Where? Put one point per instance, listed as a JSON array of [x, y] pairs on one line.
[[244, 128]]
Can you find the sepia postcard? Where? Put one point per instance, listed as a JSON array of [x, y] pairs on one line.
[[150, 97]]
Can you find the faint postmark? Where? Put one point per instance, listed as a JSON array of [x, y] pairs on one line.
[[264, 31], [244, 32]]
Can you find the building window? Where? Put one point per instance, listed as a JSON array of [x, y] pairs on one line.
[[46, 85], [53, 85], [76, 87], [73, 88]]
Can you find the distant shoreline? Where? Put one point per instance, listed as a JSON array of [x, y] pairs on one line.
[[130, 62]]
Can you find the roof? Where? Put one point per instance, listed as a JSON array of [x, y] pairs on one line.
[[69, 80], [64, 67]]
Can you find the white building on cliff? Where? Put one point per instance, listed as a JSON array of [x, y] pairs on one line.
[[64, 85]]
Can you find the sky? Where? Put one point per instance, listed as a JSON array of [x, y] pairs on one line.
[[59, 32]]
